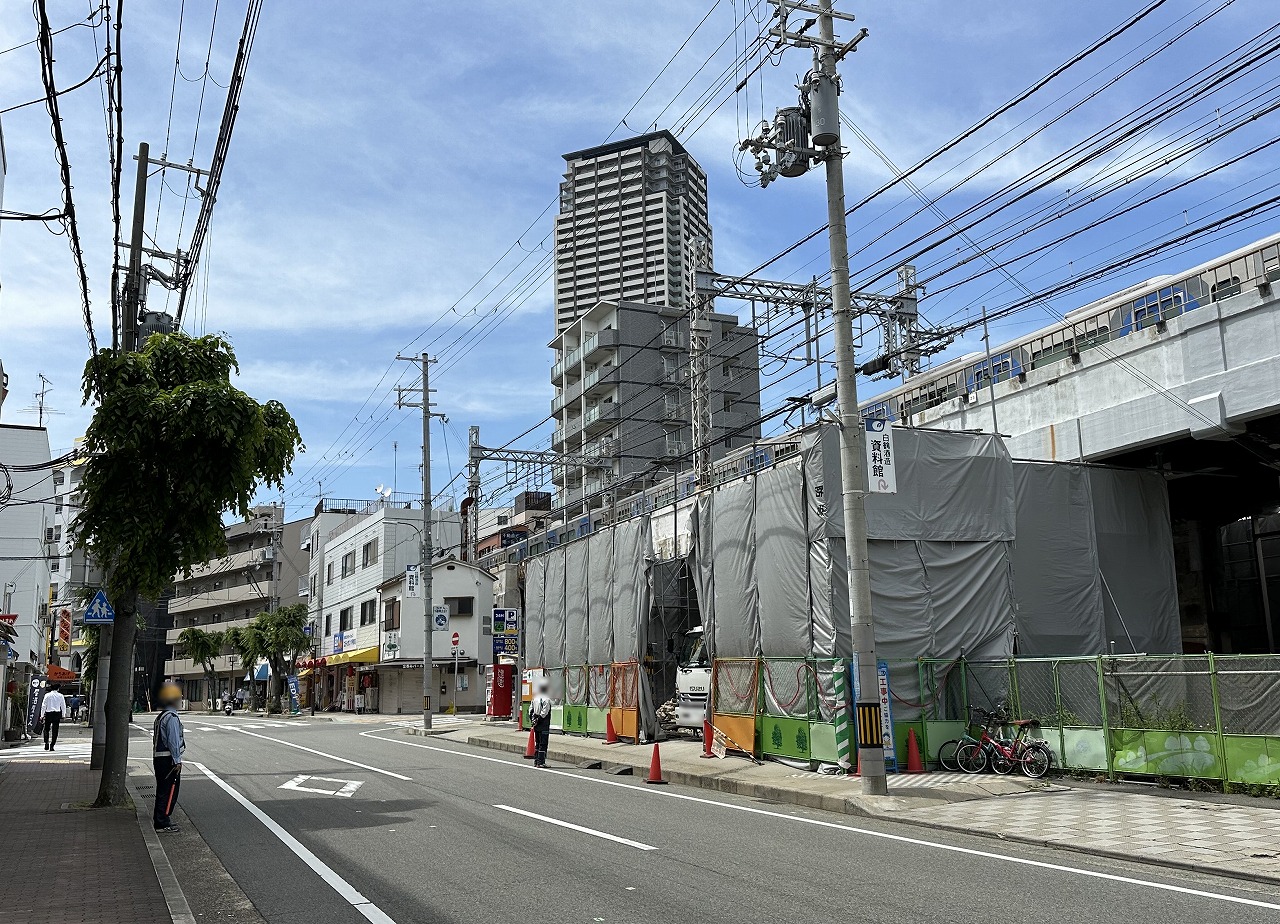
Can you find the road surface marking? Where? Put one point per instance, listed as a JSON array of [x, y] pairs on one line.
[[572, 827], [347, 788], [342, 760], [883, 835], [349, 892]]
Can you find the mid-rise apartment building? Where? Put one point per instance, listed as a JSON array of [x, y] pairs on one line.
[[628, 211], [622, 393], [265, 568]]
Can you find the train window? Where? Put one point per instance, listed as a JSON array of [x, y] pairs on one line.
[[1224, 288]]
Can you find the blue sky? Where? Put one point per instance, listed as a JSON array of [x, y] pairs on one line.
[[393, 163]]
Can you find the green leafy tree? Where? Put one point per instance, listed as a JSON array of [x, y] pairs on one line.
[[172, 447], [279, 639], [203, 648]]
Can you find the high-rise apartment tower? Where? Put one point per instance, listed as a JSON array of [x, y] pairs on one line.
[[627, 209]]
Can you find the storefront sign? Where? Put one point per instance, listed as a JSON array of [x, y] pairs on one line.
[[882, 475], [35, 696]]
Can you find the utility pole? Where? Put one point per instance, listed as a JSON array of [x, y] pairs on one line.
[[698, 256], [472, 525], [130, 307], [427, 552], [818, 118], [991, 373]]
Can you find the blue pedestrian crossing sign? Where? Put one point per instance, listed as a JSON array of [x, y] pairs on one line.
[[98, 611]]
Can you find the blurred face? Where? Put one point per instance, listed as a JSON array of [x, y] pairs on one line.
[[541, 687]]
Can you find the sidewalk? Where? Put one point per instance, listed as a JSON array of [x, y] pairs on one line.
[[77, 865], [1204, 835]]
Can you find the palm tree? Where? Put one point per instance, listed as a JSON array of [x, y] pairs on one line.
[[204, 648], [277, 638]]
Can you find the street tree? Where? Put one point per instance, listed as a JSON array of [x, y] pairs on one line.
[[203, 648], [279, 638], [172, 447]]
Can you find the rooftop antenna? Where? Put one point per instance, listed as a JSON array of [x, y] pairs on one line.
[[40, 409]]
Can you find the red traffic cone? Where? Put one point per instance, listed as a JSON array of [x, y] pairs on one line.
[[529, 748], [914, 763], [708, 737], [655, 767], [610, 736]]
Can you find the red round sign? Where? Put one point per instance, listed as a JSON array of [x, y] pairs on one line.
[[456, 639]]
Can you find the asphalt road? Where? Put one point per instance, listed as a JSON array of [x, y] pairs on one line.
[[406, 829]]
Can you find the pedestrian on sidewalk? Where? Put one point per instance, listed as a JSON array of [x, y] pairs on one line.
[[52, 705], [168, 744], [74, 705], [540, 718]]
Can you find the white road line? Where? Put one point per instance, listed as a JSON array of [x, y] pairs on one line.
[[343, 760], [579, 828], [899, 838], [345, 889]]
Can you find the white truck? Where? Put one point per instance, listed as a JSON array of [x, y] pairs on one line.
[[693, 680]]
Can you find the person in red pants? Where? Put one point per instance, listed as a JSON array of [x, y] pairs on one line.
[[168, 745]]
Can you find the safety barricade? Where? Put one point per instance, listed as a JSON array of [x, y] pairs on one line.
[[735, 701], [575, 699], [787, 706], [624, 699], [830, 732], [598, 698]]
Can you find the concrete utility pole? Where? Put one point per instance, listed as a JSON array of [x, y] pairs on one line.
[[818, 118], [426, 548], [130, 307]]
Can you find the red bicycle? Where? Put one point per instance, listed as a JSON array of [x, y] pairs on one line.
[[1003, 755]]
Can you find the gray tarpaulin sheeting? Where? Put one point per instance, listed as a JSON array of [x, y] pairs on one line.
[[630, 587], [553, 611], [576, 587], [534, 589], [700, 560], [1135, 553], [1055, 562], [951, 487], [600, 568], [737, 623], [827, 640], [780, 545]]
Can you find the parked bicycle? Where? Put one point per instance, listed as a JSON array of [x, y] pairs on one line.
[[1003, 755]]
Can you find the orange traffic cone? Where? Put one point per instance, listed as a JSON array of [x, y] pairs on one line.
[[655, 767], [914, 763], [708, 736], [529, 748], [610, 736]]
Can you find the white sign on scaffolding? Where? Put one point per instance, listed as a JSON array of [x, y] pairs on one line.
[[882, 477]]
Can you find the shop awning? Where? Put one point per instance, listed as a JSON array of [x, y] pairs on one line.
[[261, 672], [359, 656], [305, 672]]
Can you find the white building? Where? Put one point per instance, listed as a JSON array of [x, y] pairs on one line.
[[27, 535], [457, 679], [355, 547]]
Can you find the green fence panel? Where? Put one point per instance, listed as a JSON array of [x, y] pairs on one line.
[[1253, 759], [524, 715], [575, 720], [557, 718], [938, 734], [785, 737], [1190, 754], [822, 742], [900, 740], [1084, 749], [597, 721]]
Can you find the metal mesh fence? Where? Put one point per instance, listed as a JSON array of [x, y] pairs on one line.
[[1159, 693], [598, 685], [575, 685], [788, 688], [624, 686], [734, 686], [1079, 704], [828, 700], [1036, 698], [988, 684], [1249, 695]]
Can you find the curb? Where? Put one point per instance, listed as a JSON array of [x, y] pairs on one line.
[[174, 897], [1184, 866]]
